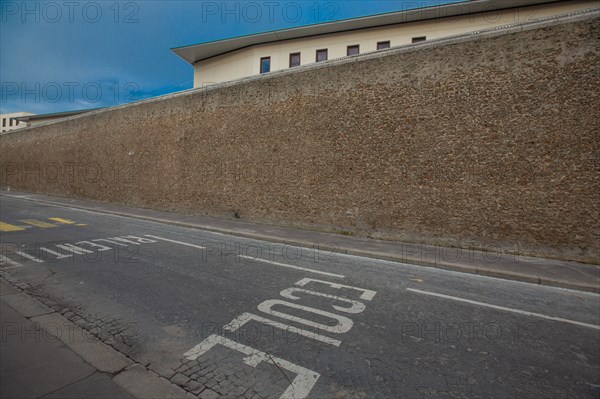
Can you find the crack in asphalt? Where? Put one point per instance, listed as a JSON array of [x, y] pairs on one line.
[[282, 372]]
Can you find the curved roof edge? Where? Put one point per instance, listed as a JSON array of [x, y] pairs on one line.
[[203, 51]]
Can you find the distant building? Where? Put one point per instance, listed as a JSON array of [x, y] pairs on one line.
[[19, 120], [33, 119], [11, 122], [239, 57]]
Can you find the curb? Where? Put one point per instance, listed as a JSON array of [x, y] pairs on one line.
[[526, 278], [132, 377]]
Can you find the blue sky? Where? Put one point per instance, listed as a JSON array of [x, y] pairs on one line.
[[68, 55]]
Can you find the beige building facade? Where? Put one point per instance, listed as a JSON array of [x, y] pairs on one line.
[[10, 121], [236, 58]]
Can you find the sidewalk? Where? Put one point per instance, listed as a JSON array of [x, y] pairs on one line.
[[513, 267], [36, 364], [44, 355]]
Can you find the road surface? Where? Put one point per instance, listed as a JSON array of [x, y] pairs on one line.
[[245, 318]]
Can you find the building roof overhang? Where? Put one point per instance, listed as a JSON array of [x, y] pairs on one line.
[[203, 51], [34, 117]]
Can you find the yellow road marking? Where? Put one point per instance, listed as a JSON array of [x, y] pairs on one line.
[[81, 224], [9, 227], [63, 221], [38, 223]]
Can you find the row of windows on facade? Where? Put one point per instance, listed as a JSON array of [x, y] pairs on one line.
[[10, 123], [322, 55]]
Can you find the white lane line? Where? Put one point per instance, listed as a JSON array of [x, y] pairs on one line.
[[176, 242], [6, 259], [251, 258], [293, 267], [26, 255], [489, 305]]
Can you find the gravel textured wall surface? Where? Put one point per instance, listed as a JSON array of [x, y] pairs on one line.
[[491, 141]]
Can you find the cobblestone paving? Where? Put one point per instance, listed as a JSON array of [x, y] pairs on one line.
[[222, 373], [112, 331]]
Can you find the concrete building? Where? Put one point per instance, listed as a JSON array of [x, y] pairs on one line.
[[239, 57], [11, 121]]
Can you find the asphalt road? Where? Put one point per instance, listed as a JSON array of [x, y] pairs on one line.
[[252, 318]]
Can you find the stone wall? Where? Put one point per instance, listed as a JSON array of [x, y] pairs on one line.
[[490, 140]]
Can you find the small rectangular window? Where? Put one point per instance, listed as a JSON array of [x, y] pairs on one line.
[[353, 50], [294, 60], [10, 122], [419, 39], [322, 55], [3, 122], [265, 65], [383, 45]]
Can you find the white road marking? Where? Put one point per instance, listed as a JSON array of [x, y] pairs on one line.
[[141, 240], [246, 317], [6, 259], [100, 247], [58, 255], [26, 255], [112, 242], [357, 307], [343, 325], [251, 258], [374, 261], [124, 240], [176, 242], [73, 249], [367, 295], [301, 385], [489, 305], [293, 267]]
